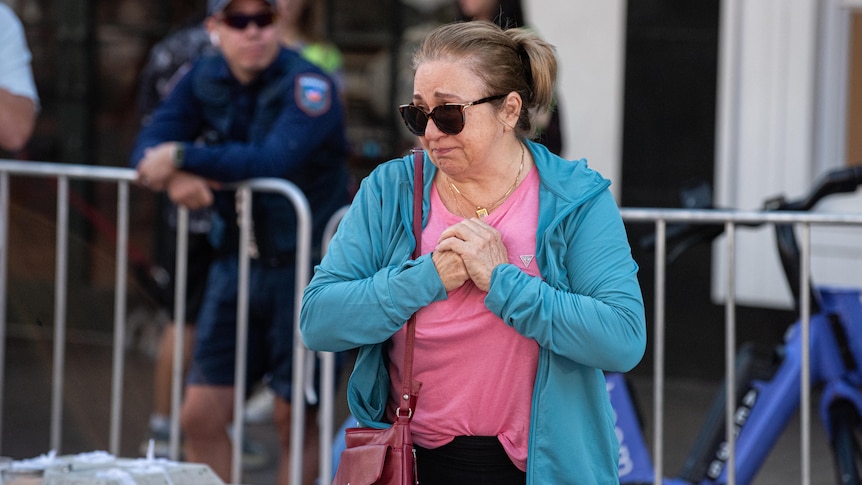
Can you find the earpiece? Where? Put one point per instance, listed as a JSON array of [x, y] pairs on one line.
[[214, 38]]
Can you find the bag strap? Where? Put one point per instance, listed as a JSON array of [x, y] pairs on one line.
[[410, 389]]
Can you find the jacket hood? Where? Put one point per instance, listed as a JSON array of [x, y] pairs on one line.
[[571, 180]]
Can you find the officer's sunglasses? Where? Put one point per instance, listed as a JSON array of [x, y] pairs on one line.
[[240, 22], [448, 117]]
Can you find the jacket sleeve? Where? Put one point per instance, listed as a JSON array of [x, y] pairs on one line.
[[588, 305], [176, 119], [366, 287]]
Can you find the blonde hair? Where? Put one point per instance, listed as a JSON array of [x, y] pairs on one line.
[[506, 60]]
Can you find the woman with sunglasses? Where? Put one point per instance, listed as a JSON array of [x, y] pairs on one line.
[[525, 290]]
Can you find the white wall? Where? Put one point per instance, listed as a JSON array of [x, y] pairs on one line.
[[780, 68], [590, 40], [781, 114]]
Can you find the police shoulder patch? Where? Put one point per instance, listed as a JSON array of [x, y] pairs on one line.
[[313, 94]]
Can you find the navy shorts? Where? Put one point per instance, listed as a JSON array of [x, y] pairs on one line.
[[270, 327]]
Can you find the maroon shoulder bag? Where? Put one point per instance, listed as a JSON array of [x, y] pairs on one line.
[[386, 456]]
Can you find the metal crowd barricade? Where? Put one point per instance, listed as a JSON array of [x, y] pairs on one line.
[[123, 177], [327, 376], [64, 173], [730, 219], [303, 262], [303, 269]]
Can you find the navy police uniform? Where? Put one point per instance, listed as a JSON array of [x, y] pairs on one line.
[[287, 123]]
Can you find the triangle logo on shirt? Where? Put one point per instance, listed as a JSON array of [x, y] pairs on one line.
[[527, 259]]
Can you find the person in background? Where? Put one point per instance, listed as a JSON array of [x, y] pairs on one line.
[[299, 29], [255, 110], [507, 14], [169, 60], [525, 290], [19, 100]]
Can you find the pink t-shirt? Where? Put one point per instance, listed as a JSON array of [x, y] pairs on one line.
[[477, 373]]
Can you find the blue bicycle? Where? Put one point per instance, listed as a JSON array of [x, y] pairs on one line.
[[767, 384]]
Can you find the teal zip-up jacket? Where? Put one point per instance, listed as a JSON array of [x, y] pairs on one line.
[[586, 312]]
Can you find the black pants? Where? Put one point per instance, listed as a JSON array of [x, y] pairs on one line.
[[468, 460]]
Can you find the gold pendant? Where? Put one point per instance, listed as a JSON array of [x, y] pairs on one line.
[[481, 212]]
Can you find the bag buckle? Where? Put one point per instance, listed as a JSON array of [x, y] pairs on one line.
[[409, 412]]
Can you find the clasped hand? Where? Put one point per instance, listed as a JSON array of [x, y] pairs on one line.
[[469, 250]]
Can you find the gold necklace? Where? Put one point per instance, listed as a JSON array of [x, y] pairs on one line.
[[482, 212]]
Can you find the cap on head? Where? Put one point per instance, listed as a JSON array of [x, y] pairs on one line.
[[216, 6]]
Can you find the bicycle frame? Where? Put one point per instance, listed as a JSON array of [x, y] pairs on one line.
[[764, 406], [768, 384], [765, 409], [635, 464]]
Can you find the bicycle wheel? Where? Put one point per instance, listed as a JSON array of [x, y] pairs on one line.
[[845, 442]]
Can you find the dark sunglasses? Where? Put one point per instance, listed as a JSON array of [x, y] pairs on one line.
[[448, 117], [240, 22]]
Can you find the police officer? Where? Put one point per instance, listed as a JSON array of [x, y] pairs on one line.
[[261, 111]]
